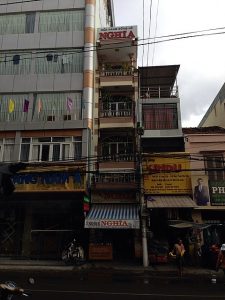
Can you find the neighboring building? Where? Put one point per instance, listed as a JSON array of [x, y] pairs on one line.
[[166, 179], [206, 147], [47, 89], [114, 216], [215, 114]]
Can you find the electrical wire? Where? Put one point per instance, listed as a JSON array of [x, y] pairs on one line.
[[93, 48], [157, 11], [143, 25], [149, 30]]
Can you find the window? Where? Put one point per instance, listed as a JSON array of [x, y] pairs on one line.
[[60, 62], [117, 148], [17, 113], [15, 63], [213, 162], [17, 23], [51, 149], [53, 107], [160, 116], [61, 21], [8, 149]]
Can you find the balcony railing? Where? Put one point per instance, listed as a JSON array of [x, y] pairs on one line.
[[115, 178], [158, 92], [119, 72], [115, 113], [118, 157]]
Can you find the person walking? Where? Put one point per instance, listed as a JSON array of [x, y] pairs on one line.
[[179, 251], [220, 264]]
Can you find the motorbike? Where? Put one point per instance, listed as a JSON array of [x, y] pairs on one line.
[[73, 254], [9, 290]]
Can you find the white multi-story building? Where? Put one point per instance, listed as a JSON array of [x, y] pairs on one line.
[[47, 67]]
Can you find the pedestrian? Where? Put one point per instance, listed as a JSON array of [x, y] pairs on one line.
[[179, 251], [220, 264]]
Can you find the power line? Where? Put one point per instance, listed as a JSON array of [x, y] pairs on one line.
[[143, 17], [157, 10], [94, 48], [149, 28]]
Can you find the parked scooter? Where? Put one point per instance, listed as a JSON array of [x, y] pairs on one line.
[[73, 254], [9, 289]]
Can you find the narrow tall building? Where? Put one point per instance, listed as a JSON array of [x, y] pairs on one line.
[[47, 68]]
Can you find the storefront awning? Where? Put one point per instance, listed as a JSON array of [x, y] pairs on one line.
[[113, 216], [170, 202], [179, 224]]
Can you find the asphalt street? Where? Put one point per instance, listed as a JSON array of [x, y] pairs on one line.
[[114, 285]]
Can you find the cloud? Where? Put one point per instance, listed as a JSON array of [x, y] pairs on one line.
[[201, 59]]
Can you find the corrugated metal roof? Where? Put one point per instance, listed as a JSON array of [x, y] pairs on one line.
[[170, 202], [114, 212]]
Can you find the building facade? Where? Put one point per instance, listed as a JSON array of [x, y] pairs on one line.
[[215, 113], [167, 191], [113, 220], [47, 89]]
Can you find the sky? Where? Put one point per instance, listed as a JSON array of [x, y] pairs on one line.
[[201, 59]]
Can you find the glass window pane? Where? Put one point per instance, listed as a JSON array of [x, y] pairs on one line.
[[56, 152], [65, 152], [24, 154], [45, 153], [35, 152], [30, 21], [8, 153]]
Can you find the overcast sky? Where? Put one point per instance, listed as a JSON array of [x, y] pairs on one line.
[[201, 59]]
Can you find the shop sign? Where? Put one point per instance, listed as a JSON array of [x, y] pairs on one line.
[[113, 224], [54, 181], [167, 174], [217, 192], [111, 197], [113, 33]]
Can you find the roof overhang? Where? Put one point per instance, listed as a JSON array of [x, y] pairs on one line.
[[170, 202], [113, 216], [158, 76]]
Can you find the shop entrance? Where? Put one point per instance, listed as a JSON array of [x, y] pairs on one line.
[[120, 241], [123, 244]]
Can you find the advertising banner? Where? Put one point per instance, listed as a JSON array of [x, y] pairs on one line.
[[217, 192], [200, 190], [167, 174], [49, 181]]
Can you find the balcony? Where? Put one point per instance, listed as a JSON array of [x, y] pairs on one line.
[[117, 75], [116, 111], [114, 181]]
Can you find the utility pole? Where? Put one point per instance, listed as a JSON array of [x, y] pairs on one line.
[[140, 132]]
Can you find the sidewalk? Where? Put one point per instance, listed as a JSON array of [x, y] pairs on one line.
[[47, 265]]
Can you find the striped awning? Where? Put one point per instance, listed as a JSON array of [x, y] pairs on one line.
[[116, 216], [170, 202]]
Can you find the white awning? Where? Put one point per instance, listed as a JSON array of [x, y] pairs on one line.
[[113, 216], [170, 202]]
